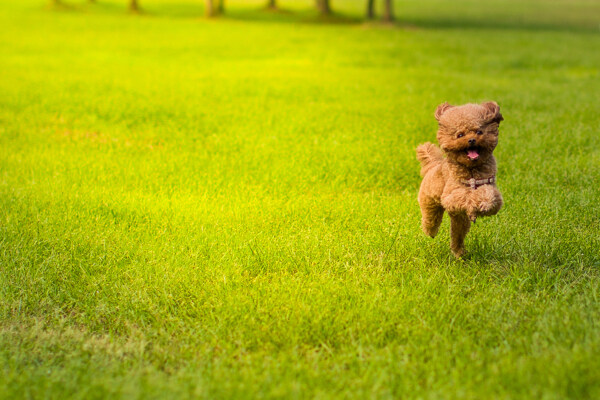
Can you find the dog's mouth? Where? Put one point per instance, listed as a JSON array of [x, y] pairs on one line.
[[473, 153]]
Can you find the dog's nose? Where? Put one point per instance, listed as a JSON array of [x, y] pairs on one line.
[[471, 142]]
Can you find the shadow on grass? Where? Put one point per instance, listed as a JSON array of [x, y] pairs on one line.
[[486, 249], [470, 23]]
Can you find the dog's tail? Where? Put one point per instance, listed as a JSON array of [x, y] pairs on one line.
[[430, 155]]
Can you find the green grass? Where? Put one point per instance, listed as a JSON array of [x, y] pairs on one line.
[[227, 208]]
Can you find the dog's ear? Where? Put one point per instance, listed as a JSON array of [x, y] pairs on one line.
[[441, 109], [492, 111]]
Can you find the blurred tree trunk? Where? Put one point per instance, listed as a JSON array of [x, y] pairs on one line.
[[134, 6], [214, 7], [370, 9], [388, 12], [211, 9], [323, 7], [272, 4]]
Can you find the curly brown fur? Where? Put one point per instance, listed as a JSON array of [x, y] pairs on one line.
[[467, 135]]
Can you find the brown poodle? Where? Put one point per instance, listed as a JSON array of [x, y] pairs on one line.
[[463, 182]]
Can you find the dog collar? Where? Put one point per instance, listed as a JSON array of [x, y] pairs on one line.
[[475, 183]]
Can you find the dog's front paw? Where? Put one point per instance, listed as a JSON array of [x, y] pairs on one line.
[[490, 202], [488, 208]]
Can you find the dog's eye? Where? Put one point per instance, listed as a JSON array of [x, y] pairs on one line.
[[460, 135], [480, 132]]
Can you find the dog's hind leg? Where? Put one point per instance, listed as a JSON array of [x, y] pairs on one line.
[[432, 214], [459, 227]]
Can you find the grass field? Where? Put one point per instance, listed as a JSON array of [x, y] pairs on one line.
[[227, 208]]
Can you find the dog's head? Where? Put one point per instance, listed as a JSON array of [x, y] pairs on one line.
[[468, 134]]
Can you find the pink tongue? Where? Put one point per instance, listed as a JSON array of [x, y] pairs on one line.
[[472, 154]]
